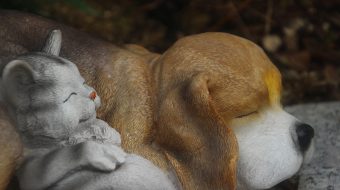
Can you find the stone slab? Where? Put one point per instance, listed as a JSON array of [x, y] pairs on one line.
[[323, 171]]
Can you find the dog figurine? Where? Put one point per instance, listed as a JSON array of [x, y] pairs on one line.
[[207, 111], [65, 145]]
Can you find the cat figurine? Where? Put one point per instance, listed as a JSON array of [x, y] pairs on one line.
[[65, 146]]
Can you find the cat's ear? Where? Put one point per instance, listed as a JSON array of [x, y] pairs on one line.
[[18, 74], [17, 79], [53, 43]]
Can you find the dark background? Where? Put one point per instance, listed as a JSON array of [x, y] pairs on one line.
[[301, 36]]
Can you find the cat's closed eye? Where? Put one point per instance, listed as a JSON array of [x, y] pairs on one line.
[[73, 93]]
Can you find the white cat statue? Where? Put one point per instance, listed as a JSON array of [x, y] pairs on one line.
[[65, 146]]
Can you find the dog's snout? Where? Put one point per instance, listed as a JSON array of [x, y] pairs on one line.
[[304, 133]]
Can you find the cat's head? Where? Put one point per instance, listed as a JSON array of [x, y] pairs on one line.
[[46, 94]]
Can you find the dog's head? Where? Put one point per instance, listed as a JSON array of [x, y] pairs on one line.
[[220, 118]]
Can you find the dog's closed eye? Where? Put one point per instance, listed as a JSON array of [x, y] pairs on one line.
[[73, 93], [247, 114]]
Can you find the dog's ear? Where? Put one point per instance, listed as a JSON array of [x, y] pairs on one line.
[[53, 43], [196, 138]]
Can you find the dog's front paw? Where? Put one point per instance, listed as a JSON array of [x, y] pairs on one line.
[[104, 157]]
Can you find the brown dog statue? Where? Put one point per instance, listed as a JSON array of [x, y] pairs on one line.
[[207, 111]]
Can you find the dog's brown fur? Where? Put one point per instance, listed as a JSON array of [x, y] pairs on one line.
[[10, 148], [174, 108]]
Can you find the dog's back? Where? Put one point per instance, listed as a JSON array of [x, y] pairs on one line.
[[22, 32]]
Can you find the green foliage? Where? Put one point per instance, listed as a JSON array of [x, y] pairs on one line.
[[82, 5]]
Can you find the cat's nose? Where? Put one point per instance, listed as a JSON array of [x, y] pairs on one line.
[[95, 98], [93, 95]]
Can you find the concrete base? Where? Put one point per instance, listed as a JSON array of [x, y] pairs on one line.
[[323, 171]]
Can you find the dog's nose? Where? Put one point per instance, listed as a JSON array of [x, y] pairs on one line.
[[304, 133]]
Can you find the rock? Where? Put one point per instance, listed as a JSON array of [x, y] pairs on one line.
[[323, 171]]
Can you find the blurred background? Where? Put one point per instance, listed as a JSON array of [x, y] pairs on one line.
[[300, 36]]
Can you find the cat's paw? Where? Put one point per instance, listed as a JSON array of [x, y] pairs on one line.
[[104, 157]]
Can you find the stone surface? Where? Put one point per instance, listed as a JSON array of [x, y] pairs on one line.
[[323, 171]]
